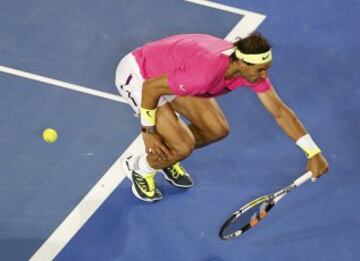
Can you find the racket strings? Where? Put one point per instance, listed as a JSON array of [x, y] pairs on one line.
[[249, 218]]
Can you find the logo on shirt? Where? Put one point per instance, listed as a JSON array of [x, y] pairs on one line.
[[182, 87]]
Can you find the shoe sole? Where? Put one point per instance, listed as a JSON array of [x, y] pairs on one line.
[[133, 189], [173, 183]]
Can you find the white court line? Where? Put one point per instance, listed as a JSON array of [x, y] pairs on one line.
[[61, 84], [86, 207], [244, 27], [113, 177]]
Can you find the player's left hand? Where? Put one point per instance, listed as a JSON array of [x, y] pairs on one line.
[[318, 166]]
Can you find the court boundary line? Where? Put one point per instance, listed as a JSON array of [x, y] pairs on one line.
[[249, 22], [114, 176], [62, 84]]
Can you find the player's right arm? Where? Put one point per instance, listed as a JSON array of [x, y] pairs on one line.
[[152, 90], [292, 126]]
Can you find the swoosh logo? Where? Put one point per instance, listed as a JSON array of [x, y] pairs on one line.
[[265, 57], [148, 114], [127, 163], [182, 87]]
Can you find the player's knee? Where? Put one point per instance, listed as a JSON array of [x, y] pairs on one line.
[[218, 133], [184, 148]]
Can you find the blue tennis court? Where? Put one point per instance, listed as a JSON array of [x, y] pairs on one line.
[[76, 45]]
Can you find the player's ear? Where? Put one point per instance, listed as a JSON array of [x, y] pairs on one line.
[[240, 63]]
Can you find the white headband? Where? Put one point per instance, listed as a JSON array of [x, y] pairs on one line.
[[258, 58]]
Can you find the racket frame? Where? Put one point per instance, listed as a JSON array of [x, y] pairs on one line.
[[272, 198]]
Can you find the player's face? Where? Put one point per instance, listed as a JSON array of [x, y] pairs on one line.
[[255, 72]]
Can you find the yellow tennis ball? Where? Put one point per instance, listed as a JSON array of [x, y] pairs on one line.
[[49, 135]]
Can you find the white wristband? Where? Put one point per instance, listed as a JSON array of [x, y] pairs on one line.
[[307, 144]]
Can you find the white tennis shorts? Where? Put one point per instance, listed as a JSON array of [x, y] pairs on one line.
[[129, 82]]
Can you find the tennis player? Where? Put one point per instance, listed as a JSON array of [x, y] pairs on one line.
[[182, 75]]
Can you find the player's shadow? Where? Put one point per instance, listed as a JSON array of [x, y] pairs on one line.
[[170, 190]]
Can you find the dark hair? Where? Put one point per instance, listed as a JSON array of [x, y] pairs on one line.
[[252, 44]]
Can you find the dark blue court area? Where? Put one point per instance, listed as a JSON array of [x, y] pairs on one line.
[[315, 72]]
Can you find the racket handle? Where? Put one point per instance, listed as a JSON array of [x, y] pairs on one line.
[[299, 181]]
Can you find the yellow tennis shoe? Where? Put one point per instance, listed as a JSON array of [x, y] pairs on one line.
[[143, 185], [177, 176]]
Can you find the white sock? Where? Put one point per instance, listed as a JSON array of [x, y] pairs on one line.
[[141, 165]]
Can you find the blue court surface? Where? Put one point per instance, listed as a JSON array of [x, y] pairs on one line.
[[315, 71]]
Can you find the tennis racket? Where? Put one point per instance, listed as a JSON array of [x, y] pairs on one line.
[[250, 214]]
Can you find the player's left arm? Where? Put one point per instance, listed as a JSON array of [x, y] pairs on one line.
[[292, 126]]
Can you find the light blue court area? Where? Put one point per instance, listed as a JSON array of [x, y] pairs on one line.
[[314, 71]]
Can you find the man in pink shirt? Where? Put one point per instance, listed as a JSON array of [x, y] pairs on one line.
[[182, 74]]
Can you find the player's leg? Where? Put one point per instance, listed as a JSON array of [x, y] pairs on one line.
[[142, 167], [180, 141], [208, 123], [176, 136]]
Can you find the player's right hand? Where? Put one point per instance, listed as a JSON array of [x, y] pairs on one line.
[[155, 146], [318, 166]]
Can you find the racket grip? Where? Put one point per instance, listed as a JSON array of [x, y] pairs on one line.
[[299, 181]]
